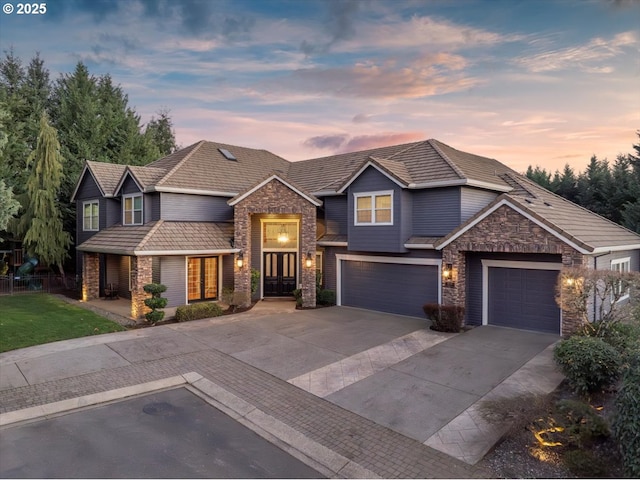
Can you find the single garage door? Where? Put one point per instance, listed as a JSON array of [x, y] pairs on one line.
[[523, 298], [389, 287]]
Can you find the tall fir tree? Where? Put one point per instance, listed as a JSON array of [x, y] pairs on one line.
[[95, 122], [160, 132], [40, 223], [631, 212]]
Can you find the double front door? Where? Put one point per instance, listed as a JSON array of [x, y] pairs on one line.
[[202, 278], [279, 273]]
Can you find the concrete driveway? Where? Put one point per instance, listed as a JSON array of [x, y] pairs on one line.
[[390, 369]]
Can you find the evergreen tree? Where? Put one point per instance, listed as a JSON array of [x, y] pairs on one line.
[[95, 122], [619, 191], [631, 210], [540, 176], [9, 206], [15, 152], [592, 187], [40, 223], [567, 184], [161, 133]]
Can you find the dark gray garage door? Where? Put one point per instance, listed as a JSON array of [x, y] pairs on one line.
[[389, 287], [523, 298]]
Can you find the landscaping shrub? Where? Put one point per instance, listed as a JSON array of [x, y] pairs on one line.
[[589, 363], [227, 295], [297, 294], [255, 280], [621, 336], [626, 423], [444, 318], [197, 311], [325, 297], [582, 424], [584, 464], [155, 302]]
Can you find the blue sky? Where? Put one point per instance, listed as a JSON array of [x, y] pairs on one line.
[[526, 82]]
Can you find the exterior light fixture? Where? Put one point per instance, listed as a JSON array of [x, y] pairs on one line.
[[239, 260], [283, 236], [447, 275], [309, 261]]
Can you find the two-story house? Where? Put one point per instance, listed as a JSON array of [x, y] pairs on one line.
[[389, 229]]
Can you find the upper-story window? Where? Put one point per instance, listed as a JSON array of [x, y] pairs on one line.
[[374, 208], [132, 210], [90, 216], [621, 265]]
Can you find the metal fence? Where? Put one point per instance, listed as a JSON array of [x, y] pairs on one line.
[[41, 283]]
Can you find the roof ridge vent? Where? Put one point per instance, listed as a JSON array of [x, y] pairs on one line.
[[227, 154]]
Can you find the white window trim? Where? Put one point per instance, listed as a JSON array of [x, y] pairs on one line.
[[373, 196], [84, 225], [622, 261], [133, 195]]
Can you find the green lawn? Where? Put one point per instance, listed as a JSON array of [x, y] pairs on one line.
[[35, 319]]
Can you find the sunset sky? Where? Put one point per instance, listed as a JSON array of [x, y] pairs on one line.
[[525, 82]]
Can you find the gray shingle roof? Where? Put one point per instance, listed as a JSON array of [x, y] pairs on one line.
[[205, 168], [581, 225], [161, 237], [202, 167], [107, 175]]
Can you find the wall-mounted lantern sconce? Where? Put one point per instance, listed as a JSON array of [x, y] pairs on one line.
[[239, 260], [448, 275], [309, 261]]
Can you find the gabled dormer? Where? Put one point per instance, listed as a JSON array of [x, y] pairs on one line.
[[378, 207], [139, 205]]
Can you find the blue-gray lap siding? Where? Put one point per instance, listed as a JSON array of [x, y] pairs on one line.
[[389, 287], [377, 238], [603, 262], [173, 274], [516, 299], [436, 212], [336, 214], [194, 208]]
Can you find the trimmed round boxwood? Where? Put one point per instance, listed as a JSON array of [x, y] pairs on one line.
[[589, 363]]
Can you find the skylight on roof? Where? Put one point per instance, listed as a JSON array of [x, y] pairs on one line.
[[228, 155]]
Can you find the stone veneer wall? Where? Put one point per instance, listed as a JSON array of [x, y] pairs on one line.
[[505, 230], [141, 275], [90, 276], [274, 198]]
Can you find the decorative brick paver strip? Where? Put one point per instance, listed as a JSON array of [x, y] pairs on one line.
[[377, 448]]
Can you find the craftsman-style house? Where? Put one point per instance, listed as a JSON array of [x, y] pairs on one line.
[[389, 229]]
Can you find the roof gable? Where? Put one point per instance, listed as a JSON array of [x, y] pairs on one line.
[[394, 171], [308, 197]]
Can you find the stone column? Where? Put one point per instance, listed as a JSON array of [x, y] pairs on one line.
[[308, 246], [141, 275], [90, 276], [571, 321], [242, 276]]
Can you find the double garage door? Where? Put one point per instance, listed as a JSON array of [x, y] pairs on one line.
[[388, 287], [522, 298]]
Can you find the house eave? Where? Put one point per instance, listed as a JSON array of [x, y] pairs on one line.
[[193, 191], [461, 183], [332, 244], [617, 248], [415, 246]]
